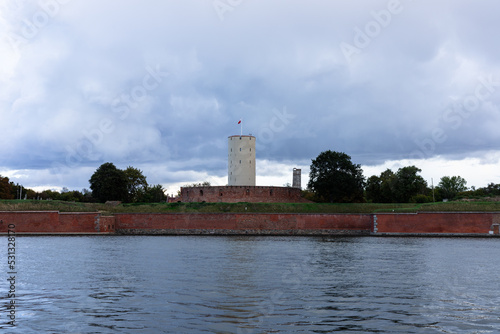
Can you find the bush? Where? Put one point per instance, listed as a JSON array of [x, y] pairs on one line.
[[421, 199]]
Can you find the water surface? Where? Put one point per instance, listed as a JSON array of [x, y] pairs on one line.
[[196, 284]]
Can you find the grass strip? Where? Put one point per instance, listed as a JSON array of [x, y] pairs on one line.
[[361, 208]]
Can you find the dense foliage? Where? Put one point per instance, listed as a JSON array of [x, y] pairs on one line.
[[109, 183], [5, 188], [381, 189], [451, 186], [136, 183], [401, 187], [409, 184], [10, 190], [335, 179]]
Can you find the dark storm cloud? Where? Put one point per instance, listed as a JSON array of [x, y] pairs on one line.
[[163, 84]]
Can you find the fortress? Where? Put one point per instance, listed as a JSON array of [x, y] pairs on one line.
[[241, 185]]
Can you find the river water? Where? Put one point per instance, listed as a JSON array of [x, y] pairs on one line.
[[196, 284]]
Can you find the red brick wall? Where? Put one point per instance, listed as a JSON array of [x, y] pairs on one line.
[[234, 194], [496, 229], [55, 222], [78, 222], [107, 224], [251, 223], [30, 221], [452, 222], [226, 223]]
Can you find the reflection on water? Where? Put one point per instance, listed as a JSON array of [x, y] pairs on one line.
[[144, 284]]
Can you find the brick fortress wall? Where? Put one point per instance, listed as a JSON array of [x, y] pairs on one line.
[[243, 223], [235, 194], [437, 223], [47, 222]]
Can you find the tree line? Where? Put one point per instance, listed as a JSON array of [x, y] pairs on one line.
[[11, 190], [334, 178], [108, 183]]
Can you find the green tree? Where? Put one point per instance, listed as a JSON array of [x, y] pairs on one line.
[[152, 194], [307, 194], [71, 196], [5, 188], [109, 183], [200, 184], [50, 195], [334, 178], [492, 189], [409, 184], [388, 186], [372, 189], [136, 183], [30, 193], [17, 190], [451, 186], [381, 189]]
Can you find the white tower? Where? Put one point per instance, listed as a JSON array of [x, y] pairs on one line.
[[241, 161]]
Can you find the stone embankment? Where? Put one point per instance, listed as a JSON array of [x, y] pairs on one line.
[[384, 224]]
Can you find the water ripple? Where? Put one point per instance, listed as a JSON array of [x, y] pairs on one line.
[[144, 284]]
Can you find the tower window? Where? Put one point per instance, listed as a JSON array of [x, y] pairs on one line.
[[240, 149], [240, 161], [201, 192]]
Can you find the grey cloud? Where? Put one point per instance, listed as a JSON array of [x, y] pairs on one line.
[[263, 57]]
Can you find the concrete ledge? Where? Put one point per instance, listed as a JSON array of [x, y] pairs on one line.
[[18, 234], [436, 235], [223, 232]]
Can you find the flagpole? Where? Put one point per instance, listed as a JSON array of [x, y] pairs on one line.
[[241, 128]]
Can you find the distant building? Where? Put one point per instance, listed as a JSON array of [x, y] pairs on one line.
[[235, 194], [297, 182], [241, 180]]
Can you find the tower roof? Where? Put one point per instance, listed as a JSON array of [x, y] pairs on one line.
[[241, 136]]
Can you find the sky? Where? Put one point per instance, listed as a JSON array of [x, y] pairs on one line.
[[161, 85]]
